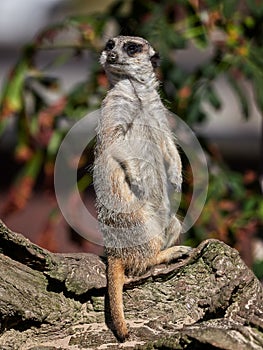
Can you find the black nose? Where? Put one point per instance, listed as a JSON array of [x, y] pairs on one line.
[[112, 57]]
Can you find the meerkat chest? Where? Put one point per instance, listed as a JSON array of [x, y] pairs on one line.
[[147, 125], [137, 118]]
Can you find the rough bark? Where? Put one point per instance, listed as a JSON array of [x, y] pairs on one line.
[[210, 300]]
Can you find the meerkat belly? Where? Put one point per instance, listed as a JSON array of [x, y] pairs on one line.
[[137, 258], [148, 164]]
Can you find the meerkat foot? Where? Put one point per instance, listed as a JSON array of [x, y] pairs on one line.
[[172, 232], [172, 253]]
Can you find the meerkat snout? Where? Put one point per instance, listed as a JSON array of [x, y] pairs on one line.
[[112, 57], [130, 56]]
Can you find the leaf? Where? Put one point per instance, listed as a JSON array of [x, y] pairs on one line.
[[196, 31], [209, 71], [242, 97], [258, 269], [213, 98], [254, 70], [193, 112], [256, 7], [250, 204], [84, 182], [260, 211], [12, 97], [229, 7], [54, 143], [256, 58], [258, 87], [32, 168]]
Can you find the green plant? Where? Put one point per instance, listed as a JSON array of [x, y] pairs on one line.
[[234, 29]]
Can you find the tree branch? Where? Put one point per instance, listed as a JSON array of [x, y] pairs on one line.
[[56, 301]]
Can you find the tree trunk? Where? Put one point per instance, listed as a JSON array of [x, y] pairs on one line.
[[209, 300]]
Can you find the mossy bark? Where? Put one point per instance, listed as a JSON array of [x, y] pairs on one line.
[[210, 300]]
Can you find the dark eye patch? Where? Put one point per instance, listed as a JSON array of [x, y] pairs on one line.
[[110, 45], [132, 48]]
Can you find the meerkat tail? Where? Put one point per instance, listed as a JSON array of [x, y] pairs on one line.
[[115, 276]]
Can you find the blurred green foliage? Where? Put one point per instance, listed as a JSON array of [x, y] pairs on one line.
[[233, 29]]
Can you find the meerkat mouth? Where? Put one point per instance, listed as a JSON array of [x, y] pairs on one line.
[[117, 68], [116, 64]]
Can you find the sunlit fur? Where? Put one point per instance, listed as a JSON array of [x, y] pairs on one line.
[[135, 159]]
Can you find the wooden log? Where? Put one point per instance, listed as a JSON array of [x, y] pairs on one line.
[[209, 300]]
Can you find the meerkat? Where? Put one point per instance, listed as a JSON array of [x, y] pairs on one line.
[[135, 159]]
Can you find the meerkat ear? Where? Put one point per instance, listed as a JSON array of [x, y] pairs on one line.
[[155, 60]]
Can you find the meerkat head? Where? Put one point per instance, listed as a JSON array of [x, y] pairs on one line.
[[127, 56]]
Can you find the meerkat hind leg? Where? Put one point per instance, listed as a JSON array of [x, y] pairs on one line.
[[172, 253], [172, 232]]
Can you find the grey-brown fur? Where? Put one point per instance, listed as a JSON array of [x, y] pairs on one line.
[[136, 158]]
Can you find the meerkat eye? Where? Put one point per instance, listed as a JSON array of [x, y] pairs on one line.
[[110, 45], [132, 48]]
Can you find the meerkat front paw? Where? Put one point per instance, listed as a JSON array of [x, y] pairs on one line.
[[175, 179]]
